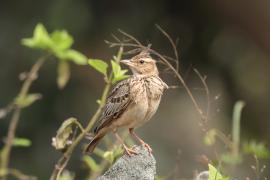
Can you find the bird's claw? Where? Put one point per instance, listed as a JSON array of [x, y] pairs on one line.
[[130, 151], [149, 149], [147, 146]]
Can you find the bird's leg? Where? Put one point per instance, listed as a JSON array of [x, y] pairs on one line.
[[128, 150], [131, 131]]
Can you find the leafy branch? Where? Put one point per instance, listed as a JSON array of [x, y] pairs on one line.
[[18, 105], [58, 44], [116, 74]]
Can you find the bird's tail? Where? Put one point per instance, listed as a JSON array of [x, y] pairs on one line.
[[94, 142]]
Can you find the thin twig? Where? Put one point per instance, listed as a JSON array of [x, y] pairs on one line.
[[169, 58], [174, 87], [5, 111], [116, 38], [5, 154], [203, 80], [182, 82], [172, 44], [130, 36], [17, 174], [133, 51]]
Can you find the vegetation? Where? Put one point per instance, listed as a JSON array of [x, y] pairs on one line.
[[58, 45]]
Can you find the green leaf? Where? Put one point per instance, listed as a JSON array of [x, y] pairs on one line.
[[119, 78], [99, 101], [21, 142], [40, 32], [214, 174], [108, 155], [116, 68], [74, 56], [210, 137], [29, 42], [230, 158], [117, 152], [40, 39], [112, 155], [66, 175], [59, 43], [91, 163], [256, 148], [118, 73], [99, 65], [24, 101], [63, 72], [61, 140], [61, 40]]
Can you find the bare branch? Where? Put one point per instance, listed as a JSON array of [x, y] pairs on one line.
[[203, 80], [172, 44], [130, 37], [17, 174], [116, 38], [132, 51]]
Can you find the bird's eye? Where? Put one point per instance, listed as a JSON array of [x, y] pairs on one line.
[[141, 61]]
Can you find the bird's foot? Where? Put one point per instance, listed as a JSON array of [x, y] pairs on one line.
[[149, 149], [131, 131], [129, 151], [147, 146]]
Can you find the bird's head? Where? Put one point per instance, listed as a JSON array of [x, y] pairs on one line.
[[142, 64]]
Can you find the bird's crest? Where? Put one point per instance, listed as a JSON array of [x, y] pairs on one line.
[[143, 54]]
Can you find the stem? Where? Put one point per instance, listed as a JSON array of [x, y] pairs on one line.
[[18, 174], [224, 138], [62, 162], [5, 153], [236, 126], [32, 76], [103, 164]]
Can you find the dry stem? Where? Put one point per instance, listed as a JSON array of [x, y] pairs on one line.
[[18, 174]]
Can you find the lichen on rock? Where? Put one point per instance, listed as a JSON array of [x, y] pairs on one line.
[[136, 167]]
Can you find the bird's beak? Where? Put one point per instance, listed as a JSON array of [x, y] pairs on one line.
[[126, 62]]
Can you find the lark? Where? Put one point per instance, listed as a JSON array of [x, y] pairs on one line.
[[132, 102]]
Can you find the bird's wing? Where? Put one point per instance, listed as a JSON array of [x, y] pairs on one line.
[[117, 102]]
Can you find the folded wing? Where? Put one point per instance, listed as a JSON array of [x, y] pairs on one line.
[[117, 101]]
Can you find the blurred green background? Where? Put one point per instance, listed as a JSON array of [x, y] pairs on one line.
[[229, 41]]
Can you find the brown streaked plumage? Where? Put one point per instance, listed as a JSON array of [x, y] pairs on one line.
[[132, 102]]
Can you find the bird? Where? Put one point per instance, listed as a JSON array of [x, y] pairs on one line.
[[132, 102]]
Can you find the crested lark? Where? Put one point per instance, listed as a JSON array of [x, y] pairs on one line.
[[132, 102]]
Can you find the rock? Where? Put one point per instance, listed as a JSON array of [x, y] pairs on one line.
[[136, 167]]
